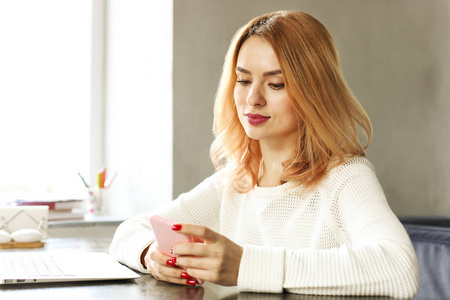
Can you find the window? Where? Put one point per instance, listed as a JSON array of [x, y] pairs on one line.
[[86, 83], [138, 115], [45, 79]]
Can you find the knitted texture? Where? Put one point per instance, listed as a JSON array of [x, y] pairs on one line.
[[340, 239]]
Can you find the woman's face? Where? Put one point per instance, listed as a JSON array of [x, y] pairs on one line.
[[263, 105]]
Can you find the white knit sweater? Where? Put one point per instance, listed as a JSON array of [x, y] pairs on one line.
[[341, 239]]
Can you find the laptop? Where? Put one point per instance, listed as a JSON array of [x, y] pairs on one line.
[[38, 267]]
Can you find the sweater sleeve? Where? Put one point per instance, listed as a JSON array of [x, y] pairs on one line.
[[261, 269], [199, 206], [375, 256], [131, 238]]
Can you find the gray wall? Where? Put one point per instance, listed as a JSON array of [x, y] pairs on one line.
[[394, 55]]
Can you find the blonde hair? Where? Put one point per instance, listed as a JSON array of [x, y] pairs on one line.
[[328, 112]]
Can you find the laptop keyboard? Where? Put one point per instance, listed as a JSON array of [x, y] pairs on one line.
[[32, 265]]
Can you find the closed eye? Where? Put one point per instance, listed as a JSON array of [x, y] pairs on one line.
[[277, 86], [244, 82]]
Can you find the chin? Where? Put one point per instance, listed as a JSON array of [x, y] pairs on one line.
[[253, 135]]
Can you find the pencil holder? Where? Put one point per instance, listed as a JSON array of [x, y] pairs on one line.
[[97, 198]]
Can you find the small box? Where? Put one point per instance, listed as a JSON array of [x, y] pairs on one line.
[[24, 217]]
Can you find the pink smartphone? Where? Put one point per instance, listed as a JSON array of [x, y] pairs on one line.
[[167, 238], [164, 234]]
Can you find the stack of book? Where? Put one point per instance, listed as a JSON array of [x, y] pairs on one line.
[[59, 209]]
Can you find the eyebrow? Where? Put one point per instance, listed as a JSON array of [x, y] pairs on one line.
[[270, 73]]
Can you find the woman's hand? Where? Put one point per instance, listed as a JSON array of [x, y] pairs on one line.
[[214, 258], [162, 267]]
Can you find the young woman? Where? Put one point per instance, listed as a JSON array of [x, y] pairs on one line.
[[294, 205]]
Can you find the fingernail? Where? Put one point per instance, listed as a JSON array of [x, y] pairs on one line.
[[185, 275], [171, 250], [174, 259], [176, 227], [171, 263], [191, 282]]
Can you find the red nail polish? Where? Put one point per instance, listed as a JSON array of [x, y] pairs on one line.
[[174, 259], [191, 282], [171, 263], [171, 250], [176, 227], [185, 275]]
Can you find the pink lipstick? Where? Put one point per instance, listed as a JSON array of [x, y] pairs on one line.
[[255, 119]]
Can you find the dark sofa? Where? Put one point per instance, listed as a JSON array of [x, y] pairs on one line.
[[431, 240]]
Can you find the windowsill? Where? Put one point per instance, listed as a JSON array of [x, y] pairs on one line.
[[90, 220]]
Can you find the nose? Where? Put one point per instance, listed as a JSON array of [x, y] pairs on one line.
[[255, 96]]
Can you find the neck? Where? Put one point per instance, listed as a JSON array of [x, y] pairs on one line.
[[272, 168]]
